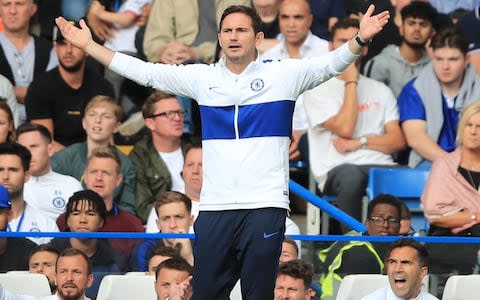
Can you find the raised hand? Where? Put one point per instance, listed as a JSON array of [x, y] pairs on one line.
[[79, 37], [371, 25]]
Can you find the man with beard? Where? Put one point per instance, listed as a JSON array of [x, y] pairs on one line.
[[14, 172], [73, 277], [396, 65], [57, 99]]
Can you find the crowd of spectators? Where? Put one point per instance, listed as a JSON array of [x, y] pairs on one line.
[[411, 100]]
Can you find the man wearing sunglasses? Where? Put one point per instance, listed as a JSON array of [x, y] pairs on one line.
[[358, 257], [158, 157]]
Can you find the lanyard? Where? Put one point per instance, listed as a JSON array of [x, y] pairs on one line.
[[19, 224]]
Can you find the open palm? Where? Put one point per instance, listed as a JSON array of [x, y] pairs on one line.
[[371, 25], [79, 37]]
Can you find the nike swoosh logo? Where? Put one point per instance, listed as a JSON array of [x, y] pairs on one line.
[[212, 87], [269, 235]]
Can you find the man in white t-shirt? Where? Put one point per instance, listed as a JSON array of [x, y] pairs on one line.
[[158, 157], [14, 172], [297, 41], [46, 191], [353, 128]]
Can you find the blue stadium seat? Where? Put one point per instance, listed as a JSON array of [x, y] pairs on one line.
[[404, 183]]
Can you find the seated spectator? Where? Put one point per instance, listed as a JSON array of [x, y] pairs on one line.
[[23, 56], [101, 119], [406, 264], [353, 126], [174, 216], [172, 279], [56, 99], [86, 212], [451, 199], [14, 251], [14, 165], [158, 256], [356, 257], [73, 277], [293, 282], [102, 175], [289, 250], [158, 157], [7, 125], [430, 104], [7, 97], [396, 65], [43, 260], [45, 190]]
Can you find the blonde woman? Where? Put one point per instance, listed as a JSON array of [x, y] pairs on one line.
[[451, 199]]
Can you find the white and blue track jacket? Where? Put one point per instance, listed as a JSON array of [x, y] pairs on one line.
[[246, 120]]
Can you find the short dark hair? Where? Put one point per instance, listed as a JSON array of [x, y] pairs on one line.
[[419, 10], [422, 252], [344, 24], [148, 108], [248, 11], [163, 251], [44, 248], [12, 148], [385, 199], [176, 263], [30, 127], [195, 143], [297, 269], [68, 252], [94, 201], [173, 197], [450, 37]]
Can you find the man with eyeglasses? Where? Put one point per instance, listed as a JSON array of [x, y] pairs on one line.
[[358, 257], [158, 157]]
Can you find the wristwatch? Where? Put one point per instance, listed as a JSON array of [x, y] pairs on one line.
[[363, 142], [360, 41]]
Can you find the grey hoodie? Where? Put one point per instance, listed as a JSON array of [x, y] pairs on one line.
[[391, 68]]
